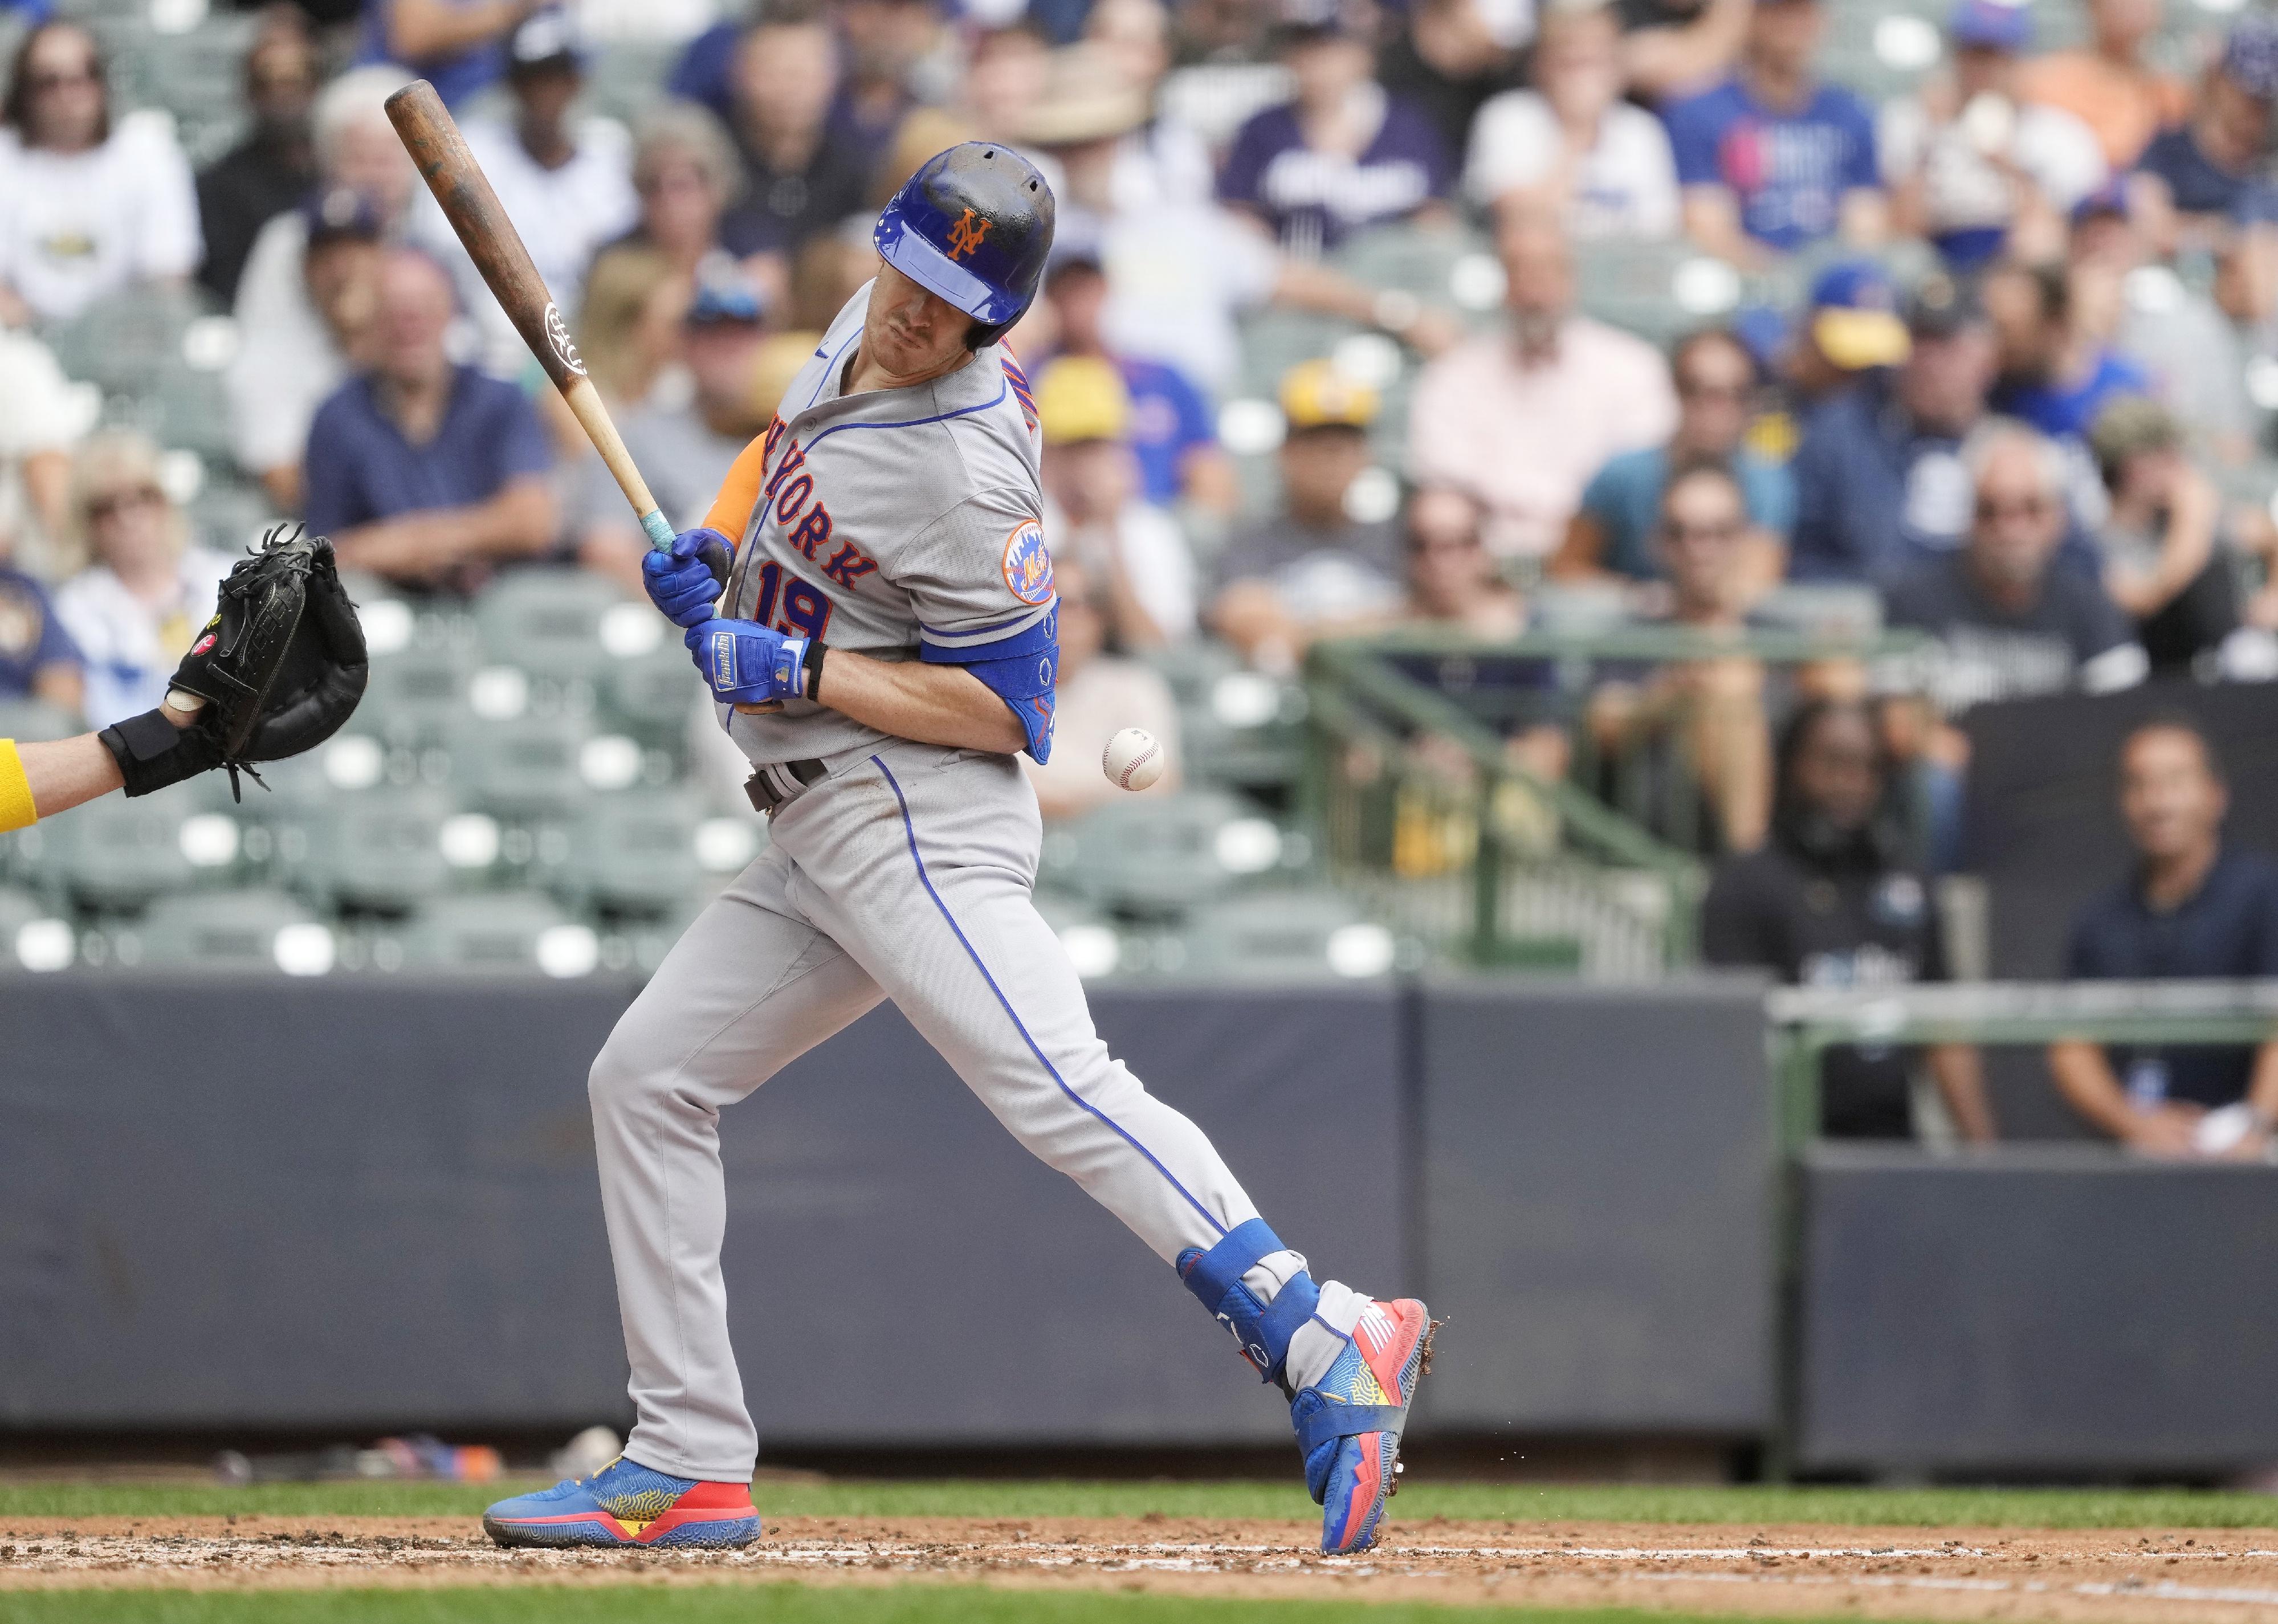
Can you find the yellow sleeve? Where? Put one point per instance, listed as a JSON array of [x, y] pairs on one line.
[[16, 809]]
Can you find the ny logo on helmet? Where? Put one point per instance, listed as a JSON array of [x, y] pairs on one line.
[[966, 235]]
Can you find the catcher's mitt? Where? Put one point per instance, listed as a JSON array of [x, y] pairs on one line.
[[280, 666]]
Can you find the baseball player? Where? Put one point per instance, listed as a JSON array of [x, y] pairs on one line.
[[886, 646]]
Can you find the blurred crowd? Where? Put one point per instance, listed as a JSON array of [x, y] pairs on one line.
[[1988, 354]]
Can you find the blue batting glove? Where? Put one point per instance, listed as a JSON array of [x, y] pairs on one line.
[[747, 663], [686, 582]]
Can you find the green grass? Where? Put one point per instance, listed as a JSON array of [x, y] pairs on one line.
[[762, 1604], [1474, 1502]]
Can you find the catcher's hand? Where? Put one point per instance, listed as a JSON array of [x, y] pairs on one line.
[[278, 669]]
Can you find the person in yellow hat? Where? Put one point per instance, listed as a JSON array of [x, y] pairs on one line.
[[1093, 509], [1312, 566]]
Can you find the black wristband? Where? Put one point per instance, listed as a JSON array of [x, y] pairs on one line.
[[810, 669], [153, 753]]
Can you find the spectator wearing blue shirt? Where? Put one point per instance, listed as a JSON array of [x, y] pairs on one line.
[[38, 660], [422, 471], [2200, 178], [1613, 531], [458, 46], [2195, 908], [1342, 154], [1879, 480], [1772, 160], [1171, 432], [2054, 374]]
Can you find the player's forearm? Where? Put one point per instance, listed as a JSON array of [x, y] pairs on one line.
[[419, 29], [933, 705], [57, 777], [518, 522]]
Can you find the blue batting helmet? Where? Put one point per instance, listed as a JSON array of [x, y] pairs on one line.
[[975, 225]]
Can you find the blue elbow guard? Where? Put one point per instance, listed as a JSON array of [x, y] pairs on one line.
[[1022, 670]]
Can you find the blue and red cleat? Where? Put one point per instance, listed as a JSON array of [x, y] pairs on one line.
[[625, 1504], [1349, 1423]]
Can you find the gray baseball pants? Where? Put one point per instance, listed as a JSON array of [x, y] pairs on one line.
[[905, 874]]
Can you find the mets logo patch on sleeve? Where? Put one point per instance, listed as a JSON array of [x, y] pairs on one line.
[[1028, 565]]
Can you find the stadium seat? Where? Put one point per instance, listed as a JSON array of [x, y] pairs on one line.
[[49, 946], [523, 770], [234, 931], [547, 621], [631, 853], [418, 694], [111, 854], [1244, 730], [1156, 856], [653, 695], [380, 850], [1656, 290], [123, 339], [503, 931]]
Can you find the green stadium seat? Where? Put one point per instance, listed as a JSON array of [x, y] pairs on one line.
[[632, 853], [508, 931], [547, 621], [379, 851], [418, 694], [1158, 856], [32, 721], [1659, 291], [521, 771], [233, 931], [122, 340], [111, 855], [31, 936], [1245, 729], [653, 695]]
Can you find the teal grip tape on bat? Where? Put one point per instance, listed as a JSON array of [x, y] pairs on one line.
[[659, 529]]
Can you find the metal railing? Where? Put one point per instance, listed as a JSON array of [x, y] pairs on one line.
[[1426, 809]]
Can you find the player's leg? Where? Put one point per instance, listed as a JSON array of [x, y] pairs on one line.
[[923, 865], [750, 987]]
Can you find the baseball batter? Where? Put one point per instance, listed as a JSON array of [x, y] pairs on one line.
[[885, 646]]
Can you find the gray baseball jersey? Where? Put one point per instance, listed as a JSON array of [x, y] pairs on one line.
[[898, 523]]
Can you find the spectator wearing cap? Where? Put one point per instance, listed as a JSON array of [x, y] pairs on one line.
[[2012, 624], [2055, 373], [1520, 419], [683, 449], [425, 472], [1773, 160], [1850, 328], [2204, 175], [1449, 59], [1172, 433], [1879, 481], [275, 382], [146, 587], [1342, 153], [1602, 163], [1094, 511], [1100, 689], [2178, 335], [1831, 900], [291, 351], [2196, 906], [273, 168], [1971, 168], [88, 204], [1311, 569], [797, 181], [2109, 84], [1612, 532], [562, 182], [458, 46], [2168, 560]]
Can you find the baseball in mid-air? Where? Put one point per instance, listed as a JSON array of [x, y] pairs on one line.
[[1133, 758]]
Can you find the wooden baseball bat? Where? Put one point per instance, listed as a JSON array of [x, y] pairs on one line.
[[451, 173]]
